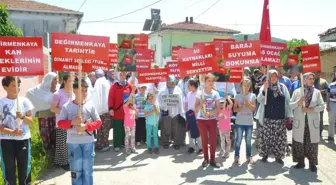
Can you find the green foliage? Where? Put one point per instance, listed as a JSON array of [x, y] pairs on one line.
[[7, 28], [294, 43], [39, 159]]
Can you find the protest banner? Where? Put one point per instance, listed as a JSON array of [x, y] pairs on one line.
[[173, 69], [142, 65], [200, 60], [291, 61], [170, 101], [174, 50], [201, 44], [153, 75], [126, 60], [145, 55], [113, 54], [21, 56], [67, 49], [131, 41], [311, 58], [241, 54], [270, 53], [236, 75]]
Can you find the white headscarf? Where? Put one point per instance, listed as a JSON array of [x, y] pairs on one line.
[[41, 96]]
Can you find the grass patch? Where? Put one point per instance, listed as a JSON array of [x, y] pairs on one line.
[[39, 159]]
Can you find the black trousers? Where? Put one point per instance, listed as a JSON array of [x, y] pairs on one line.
[[321, 122], [140, 130], [15, 155]]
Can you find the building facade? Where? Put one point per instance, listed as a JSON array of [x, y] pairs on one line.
[[183, 34]]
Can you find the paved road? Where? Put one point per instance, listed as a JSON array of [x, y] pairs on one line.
[[173, 167]]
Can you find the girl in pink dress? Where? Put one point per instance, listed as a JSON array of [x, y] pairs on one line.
[[224, 125], [129, 123]]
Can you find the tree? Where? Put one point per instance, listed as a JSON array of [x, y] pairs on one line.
[[7, 28], [295, 43]]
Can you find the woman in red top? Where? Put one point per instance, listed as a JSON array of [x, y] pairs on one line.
[[118, 95]]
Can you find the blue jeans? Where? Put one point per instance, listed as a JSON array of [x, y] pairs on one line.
[[240, 129], [81, 159], [152, 131]]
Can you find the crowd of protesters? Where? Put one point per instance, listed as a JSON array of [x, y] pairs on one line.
[[135, 112]]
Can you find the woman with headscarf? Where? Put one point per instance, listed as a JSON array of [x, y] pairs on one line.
[[118, 96], [272, 116], [172, 121], [41, 97], [61, 97], [306, 123]]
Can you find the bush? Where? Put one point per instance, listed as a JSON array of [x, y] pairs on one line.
[[39, 158]]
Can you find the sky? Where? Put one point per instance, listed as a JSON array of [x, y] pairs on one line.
[[289, 18]]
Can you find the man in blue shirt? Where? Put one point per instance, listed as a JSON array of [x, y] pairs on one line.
[[283, 79]]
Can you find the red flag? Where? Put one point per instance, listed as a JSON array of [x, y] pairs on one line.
[[265, 30]]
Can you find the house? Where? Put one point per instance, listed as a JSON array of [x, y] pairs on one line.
[[38, 19], [328, 56], [183, 34]]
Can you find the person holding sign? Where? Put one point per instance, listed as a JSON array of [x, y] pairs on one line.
[[61, 97], [331, 108], [306, 133], [41, 97], [172, 122], [80, 137], [118, 96], [15, 118], [152, 113], [207, 103], [272, 117]]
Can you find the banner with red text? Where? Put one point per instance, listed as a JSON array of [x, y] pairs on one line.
[[199, 60], [145, 55], [242, 54], [173, 69], [236, 75], [311, 61], [113, 54], [21, 56], [153, 75], [233, 75], [270, 53], [130, 41], [67, 49], [220, 60]]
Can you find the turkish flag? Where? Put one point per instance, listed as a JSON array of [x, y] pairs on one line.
[[265, 30]]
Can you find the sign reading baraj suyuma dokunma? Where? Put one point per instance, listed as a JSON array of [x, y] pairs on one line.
[[241, 54], [67, 49], [21, 56]]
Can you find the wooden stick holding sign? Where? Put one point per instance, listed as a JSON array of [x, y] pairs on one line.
[[79, 113], [302, 89], [266, 90], [18, 120]]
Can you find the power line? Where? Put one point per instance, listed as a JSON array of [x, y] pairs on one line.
[[125, 14], [207, 9], [195, 3], [224, 24], [82, 5]]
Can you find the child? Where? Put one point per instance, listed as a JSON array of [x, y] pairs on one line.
[[194, 135], [224, 125], [80, 139], [244, 105], [152, 113], [129, 123], [140, 102], [15, 134]]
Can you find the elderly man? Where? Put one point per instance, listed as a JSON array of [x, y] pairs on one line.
[[92, 77], [100, 99], [172, 121]]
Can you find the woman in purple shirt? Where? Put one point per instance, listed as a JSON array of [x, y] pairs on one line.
[[62, 96]]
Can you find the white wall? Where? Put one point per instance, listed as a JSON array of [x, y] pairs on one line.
[[154, 42]]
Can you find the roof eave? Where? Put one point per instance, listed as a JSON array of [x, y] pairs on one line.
[[205, 31], [47, 11]]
